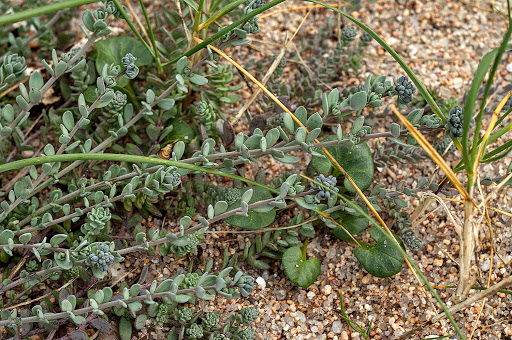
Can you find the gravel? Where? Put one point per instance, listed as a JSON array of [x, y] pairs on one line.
[[442, 41]]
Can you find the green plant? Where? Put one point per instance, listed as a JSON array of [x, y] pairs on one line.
[[133, 98], [365, 332]]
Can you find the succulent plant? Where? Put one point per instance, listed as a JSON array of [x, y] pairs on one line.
[[183, 315], [249, 315], [348, 33], [210, 320], [195, 331], [97, 218], [404, 89], [323, 193], [455, 121]]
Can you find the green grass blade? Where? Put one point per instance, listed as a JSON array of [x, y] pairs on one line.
[[35, 12], [124, 158], [198, 15], [152, 37], [499, 133], [496, 54], [501, 50], [469, 106], [501, 149], [223, 11]]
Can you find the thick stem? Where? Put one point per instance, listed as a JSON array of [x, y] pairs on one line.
[[466, 253]]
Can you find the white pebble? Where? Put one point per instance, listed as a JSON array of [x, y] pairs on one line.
[[261, 282]]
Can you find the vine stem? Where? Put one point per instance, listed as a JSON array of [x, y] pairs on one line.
[[163, 240], [116, 303]]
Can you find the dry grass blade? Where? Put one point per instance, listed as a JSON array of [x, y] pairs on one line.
[[433, 154], [453, 219], [187, 33], [488, 220], [132, 11], [500, 185], [269, 72], [481, 204]]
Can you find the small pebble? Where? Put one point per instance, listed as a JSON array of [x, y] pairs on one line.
[[337, 327]]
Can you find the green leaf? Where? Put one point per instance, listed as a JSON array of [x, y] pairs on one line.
[[112, 50], [354, 224], [125, 329], [36, 81], [66, 306], [382, 259], [181, 64], [63, 260], [197, 79], [315, 121], [135, 306], [302, 115], [180, 131], [6, 235], [300, 271], [166, 104], [25, 238], [288, 159], [358, 100], [164, 286], [57, 239], [191, 4], [101, 324], [133, 149], [255, 220], [395, 130], [140, 322], [356, 159]]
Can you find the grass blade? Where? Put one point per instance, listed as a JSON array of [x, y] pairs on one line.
[[35, 12], [497, 59], [132, 26], [151, 37], [223, 11]]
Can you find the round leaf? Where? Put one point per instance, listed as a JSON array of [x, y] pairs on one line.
[[255, 219], [358, 100], [354, 224], [356, 160], [300, 271], [382, 259], [112, 50]]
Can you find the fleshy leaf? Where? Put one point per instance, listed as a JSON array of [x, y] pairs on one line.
[[300, 271], [382, 259]]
